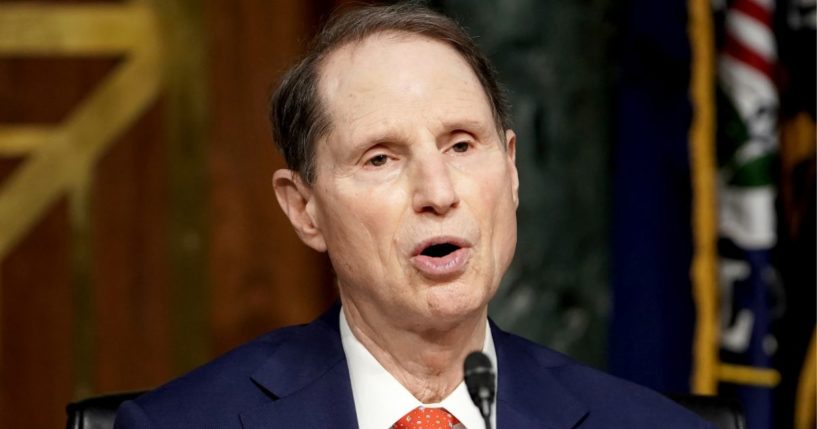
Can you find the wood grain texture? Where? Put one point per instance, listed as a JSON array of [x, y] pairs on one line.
[[262, 275], [115, 305], [44, 90], [37, 322], [130, 263]]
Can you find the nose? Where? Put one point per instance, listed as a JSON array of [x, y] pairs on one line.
[[434, 191]]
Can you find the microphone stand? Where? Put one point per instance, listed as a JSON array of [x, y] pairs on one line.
[[487, 419]]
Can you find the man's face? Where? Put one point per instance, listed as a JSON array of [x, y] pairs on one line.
[[415, 197]]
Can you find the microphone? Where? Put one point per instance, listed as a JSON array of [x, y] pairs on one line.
[[479, 377]]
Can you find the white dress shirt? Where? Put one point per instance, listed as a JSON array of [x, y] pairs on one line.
[[380, 400]]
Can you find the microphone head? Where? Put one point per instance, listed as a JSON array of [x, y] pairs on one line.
[[479, 378]]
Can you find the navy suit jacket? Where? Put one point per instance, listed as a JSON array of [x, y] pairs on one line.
[[297, 377]]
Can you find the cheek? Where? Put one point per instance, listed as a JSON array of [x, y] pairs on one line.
[[507, 242], [359, 231], [503, 217]]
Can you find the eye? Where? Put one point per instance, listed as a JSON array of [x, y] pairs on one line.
[[461, 147], [378, 160]]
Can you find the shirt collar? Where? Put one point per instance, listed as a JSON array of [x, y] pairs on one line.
[[380, 400]]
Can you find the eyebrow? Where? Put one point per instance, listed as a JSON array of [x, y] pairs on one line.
[[465, 124], [378, 137]]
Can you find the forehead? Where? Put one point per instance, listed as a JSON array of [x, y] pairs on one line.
[[389, 78]]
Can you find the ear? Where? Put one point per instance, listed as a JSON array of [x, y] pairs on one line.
[[510, 148], [296, 200]]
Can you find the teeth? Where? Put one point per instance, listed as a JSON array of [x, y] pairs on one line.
[[439, 250]]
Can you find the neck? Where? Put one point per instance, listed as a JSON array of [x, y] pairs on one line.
[[425, 360]]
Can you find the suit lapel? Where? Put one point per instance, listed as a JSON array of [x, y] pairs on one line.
[[528, 394], [326, 403], [308, 380]]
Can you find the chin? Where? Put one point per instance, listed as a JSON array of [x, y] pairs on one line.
[[453, 303]]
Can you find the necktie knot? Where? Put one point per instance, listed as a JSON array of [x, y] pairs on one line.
[[426, 418]]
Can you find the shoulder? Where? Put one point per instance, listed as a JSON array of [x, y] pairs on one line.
[[609, 402], [212, 395]]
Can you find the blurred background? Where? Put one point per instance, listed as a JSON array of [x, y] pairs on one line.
[[667, 217]]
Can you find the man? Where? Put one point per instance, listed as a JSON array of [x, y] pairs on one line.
[[402, 169]]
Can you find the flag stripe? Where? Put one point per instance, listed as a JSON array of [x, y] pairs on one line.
[[740, 52], [755, 10], [754, 35]]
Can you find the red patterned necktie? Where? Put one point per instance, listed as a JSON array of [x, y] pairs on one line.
[[426, 418]]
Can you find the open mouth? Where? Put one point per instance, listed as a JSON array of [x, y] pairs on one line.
[[442, 258], [440, 250]]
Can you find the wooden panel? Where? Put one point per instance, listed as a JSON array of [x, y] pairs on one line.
[[41, 345], [7, 167], [45, 90], [37, 326], [129, 246], [94, 306], [186, 116], [262, 276]]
